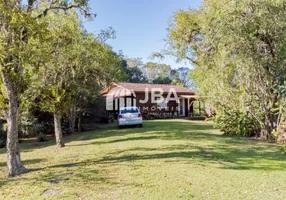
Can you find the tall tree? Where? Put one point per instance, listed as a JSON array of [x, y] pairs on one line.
[[99, 66], [18, 25], [184, 77], [56, 76], [175, 78], [154, 70], [79, 65], [238, 50], [134, 62], [132, 69]]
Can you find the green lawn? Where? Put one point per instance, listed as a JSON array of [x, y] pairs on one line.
[[166, 159]]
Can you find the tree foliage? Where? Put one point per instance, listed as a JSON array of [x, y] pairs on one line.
[[77, 65], [19, 25], [154, 70], [47, 57], [132, 69], [162, 80], [238, 50]]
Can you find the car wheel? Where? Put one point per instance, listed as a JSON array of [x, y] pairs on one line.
[[120, 127], [140, 125]]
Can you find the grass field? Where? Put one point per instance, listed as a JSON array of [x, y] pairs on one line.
[[166, 159]]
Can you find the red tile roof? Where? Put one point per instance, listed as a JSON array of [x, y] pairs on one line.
[[140, 87]]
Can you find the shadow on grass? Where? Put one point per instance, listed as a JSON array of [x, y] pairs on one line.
[[104, 131], [228, 152], [226, 158], [165, 130], [204, 147], [25, 162], [92, 176], [174, 130]]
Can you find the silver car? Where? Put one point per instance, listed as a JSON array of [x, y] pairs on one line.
[[129, 116]]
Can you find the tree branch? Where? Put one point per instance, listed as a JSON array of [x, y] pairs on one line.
[[192, 60], [30, 5], [64, 8]]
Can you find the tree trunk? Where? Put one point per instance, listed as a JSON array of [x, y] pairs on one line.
[[79, 125], [14, 164], [281, 137], [58, 130], [270, 121], [269, 125]]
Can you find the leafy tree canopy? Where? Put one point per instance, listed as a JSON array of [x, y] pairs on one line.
[[238, 50]]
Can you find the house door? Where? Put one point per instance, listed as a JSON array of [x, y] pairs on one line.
[[182, 107]]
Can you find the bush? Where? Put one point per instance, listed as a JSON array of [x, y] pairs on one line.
[[41, 137], [31, 129], [158, 116], [235, 122]]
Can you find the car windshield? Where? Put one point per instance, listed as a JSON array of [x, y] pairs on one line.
[[129, 110]]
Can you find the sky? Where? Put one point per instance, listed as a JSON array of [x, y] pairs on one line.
[[140, 25]]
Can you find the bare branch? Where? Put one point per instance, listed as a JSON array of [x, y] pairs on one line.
[[65, 8]]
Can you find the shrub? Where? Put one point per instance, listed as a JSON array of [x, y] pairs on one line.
[[235, 122], [31, 129], [161, 116], [41, 137]]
